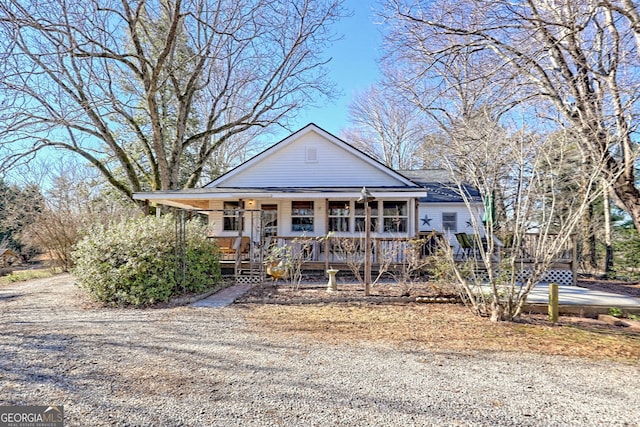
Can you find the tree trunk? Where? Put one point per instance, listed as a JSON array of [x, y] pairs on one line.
[[622, 181], [629, 199], [589, 239], [608, 258], [497, 312]]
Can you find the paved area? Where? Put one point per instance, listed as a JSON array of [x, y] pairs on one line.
[[575, 295], [223, 298]]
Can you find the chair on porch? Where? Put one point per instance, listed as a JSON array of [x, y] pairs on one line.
[[229, 247], [433, 243], [242, 246], [225, 246], [479, 244], [512, 247], [464, 245]]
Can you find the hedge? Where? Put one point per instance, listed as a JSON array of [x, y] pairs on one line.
[[136, 263]]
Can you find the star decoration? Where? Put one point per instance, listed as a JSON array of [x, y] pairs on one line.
[[426, 220], [469, 224]]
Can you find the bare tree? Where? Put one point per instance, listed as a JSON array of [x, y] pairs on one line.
[[387, 128], [513, 251], [233, 152], [351, 251], [575, 64], [76, 198], [137, 87], [520, 172]]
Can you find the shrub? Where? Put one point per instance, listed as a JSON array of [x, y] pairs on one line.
[[136, 262], [626, 248]]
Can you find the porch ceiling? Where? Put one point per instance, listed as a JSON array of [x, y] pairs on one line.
[[184, 203]]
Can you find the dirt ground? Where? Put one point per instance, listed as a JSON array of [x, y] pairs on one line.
[[290, 365], [311, 312], [313, 290], [631, 289]]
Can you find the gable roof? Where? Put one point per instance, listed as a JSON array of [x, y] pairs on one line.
[[312, 157], [286, 170]]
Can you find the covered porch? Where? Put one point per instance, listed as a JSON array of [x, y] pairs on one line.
[[249, 260]]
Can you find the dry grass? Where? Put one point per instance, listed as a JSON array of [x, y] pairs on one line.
[[24, 275], [445, 327]]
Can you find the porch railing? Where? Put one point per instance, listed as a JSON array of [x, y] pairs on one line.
[[340, 250], [393, 250]]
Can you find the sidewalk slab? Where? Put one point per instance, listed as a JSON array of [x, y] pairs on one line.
[[223, 298], [575, 295]]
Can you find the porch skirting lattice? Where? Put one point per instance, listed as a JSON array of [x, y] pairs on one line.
[[559, 276], [248, 280]]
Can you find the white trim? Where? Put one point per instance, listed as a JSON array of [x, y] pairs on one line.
[[298, 196]]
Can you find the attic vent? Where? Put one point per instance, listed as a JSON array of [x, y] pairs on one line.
[[312, 155]]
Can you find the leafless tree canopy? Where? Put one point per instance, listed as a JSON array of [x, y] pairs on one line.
[[387, 128], [570, 64], [147, 91], [52, 218]]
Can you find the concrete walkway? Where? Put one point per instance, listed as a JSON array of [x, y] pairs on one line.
[[223, 298], [575, 295], [579, 301]]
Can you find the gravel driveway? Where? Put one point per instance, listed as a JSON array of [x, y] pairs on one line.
[[206, 367]]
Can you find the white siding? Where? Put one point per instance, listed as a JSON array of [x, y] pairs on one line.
[[215, 219], [434, 212], [296, 165]]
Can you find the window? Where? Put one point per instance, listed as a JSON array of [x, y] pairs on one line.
[[450, 221], [270, 219], [231, 216], [394, 216], [339, 215], [302, 216], [359, 213], [311, 155]]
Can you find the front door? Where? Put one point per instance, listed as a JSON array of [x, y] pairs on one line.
[[270, 220]]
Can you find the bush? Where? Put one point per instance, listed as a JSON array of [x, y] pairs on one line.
[[626, 249], [135, 262]]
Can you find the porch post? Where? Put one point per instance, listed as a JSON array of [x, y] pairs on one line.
[[326, 229], [416, 221], [238, 260], [367, 250], [366, 197]]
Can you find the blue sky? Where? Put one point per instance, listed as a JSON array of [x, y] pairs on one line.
[[353, 66]]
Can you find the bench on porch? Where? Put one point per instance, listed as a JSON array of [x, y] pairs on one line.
[[230, 247]]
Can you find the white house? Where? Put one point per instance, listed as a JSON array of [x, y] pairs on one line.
[[309, 184]]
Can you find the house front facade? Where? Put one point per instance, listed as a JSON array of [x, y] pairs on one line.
[[310, 184]]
